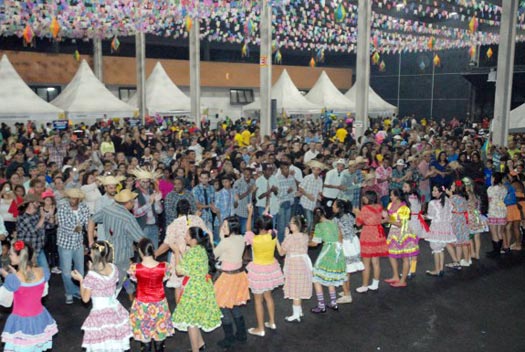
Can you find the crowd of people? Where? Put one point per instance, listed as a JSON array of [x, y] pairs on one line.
[[101, 205]]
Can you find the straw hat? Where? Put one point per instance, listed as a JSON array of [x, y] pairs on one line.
[[352, 163], [110, 180], [360, 160], [318, 164], [30, 198], [145, 174], [411, 158], [125, 196], [369, 176], [74, 193]]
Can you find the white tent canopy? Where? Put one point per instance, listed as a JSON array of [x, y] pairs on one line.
[[18, 102], [326, 94], [85, 98], [288, 97], [376, 105], [517, 119], [162, 95]]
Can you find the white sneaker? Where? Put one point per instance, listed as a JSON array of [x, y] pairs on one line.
[[344, 299], [362, 289], [293, 318], [56, 270], [374, 286], [463, 262]]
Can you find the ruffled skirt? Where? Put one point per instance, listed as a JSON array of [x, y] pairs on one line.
[[29, 334], [262, 278], [151, 321], [232, 290]]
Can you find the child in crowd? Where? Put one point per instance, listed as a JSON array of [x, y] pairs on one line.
[[330, 266], [477, 222], [417, 222], [264, 272], [297, 267], [345, 219], [441, 232], [150, 314], [30, 327], [107, 326], [197, 307], [231, 288]]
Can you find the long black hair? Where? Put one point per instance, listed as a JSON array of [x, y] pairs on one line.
[[344, 206], [413, 192], [264, 223], [443, 195], [203, 239], [234, 225], [371, 196]]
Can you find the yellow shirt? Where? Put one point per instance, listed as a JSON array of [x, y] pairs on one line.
[[246, 135], [341, 134], [238, 139], [263, 247]]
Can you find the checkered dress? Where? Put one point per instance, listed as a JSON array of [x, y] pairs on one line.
[[297, 267]]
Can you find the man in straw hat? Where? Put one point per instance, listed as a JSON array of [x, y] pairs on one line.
[[121, 230], [310, 190], [332, 185], [30, 226], [110, 183], [72, 218], [148, 205]]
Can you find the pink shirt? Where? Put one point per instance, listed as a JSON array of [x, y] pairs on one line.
[[383, 174]]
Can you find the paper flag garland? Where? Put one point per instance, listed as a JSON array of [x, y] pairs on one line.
[[472, 52], [489, 53], [28, 35], [422, 66], [473, 24], [382, 66], [245, 51], [76, 55], [375, 58], [54, 27], [278, 57], [115, 44], [188, 23], [340, 13], [312, 62], [437, 60]]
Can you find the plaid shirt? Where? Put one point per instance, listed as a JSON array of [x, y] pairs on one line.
[[224, 201], [28, 232], [67, 237], [198, 193], [352, 182], [239, 187], [313, 187], [285, 183], [57, 153], [397, 174], [170, 204]]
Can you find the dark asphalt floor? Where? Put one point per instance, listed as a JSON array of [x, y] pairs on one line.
[[481, 308]]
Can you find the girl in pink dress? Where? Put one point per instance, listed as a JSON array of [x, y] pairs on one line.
[[107, 327], [30, 327], [297, 267]]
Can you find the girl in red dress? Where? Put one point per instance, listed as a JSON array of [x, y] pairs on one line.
[[372, 240], [150, 315]]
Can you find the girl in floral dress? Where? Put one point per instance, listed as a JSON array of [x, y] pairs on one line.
[[497, 213], [107, 328], [197, 308], [417, 223], [150, 314], [459, 205], [297, 267], [330, 266], [351, 247], [29, 327], [441, 232], [264, 272], [402, 243], [372, 239], [477, 223]]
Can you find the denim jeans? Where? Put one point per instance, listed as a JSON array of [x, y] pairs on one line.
[[243, 222], [67, 258], [41, 260], [283, 218], [152, 233], [309, 215]]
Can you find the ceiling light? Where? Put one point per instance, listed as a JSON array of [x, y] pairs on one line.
[[50, 89]]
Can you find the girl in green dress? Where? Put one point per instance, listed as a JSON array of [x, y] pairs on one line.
[[197, 307], [330, 266]]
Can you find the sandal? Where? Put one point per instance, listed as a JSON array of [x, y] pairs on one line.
[[391, 281], [398, 284]]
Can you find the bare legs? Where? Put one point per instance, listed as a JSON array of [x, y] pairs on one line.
[[259, 310], [475, 245], [195, 338]]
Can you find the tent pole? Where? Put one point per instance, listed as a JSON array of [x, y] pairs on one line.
[[265, 63], [432, 91], [363, 65], [97, 59], [195, 68], [140, 58], [399, 82]]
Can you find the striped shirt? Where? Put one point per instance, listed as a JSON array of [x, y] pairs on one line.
[[121, 229], [240, 187], [285, 183], [170, 204]]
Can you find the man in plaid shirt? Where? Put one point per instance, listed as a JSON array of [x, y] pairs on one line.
[[30, 227], [243, 190], [73, 217]]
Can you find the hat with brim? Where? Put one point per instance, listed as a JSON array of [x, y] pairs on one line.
[[360, 160], [411, 158], [48, 193], [316, 164], [30, 198], [110, 180], [125, 196], [398, 137], [400, 162], [74, 193], [339, 161], [145, 174], [352, 163]]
